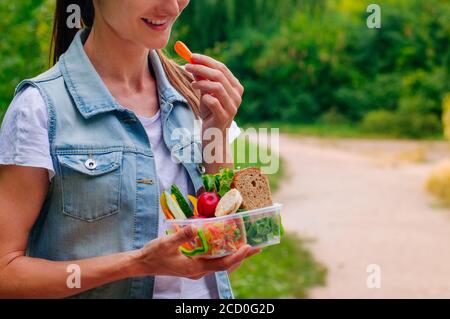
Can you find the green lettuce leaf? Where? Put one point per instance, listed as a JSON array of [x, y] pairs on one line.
[[220, 182], [226, 177]]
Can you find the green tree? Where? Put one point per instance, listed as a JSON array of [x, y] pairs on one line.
[[26, 30], [299, 60]]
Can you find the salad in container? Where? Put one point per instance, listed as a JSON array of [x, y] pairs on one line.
[[236, 209]]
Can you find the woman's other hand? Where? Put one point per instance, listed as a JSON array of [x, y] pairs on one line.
[[163, 257]]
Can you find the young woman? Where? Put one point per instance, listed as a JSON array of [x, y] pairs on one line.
[[86, 149]]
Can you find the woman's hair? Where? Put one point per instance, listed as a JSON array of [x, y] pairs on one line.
[[62, 38]]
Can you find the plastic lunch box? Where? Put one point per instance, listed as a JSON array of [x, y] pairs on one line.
[[221, 236]]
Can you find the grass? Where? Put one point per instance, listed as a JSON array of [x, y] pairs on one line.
[[330, 130], [286, 270], [438, 183]]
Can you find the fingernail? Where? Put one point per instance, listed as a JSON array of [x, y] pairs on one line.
[[195, 56], [193, 229]]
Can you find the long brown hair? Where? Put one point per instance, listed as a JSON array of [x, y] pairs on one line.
[[62, 37]]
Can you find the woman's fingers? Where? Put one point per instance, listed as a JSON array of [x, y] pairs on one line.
[[229, 103], [208, 73], [234, 268], [229, 263], [202, 72], [210, 62], [217, 80], [225, 263], [214, 105], [221, 92], [186, 234], [250, 252]]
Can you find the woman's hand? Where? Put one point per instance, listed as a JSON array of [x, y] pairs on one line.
[[162, 257], [221, 92], [221, 96]]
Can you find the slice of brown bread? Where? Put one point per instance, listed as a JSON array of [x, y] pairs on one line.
[[254, 188]]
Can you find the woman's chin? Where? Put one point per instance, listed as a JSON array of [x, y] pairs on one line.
[[157, 43], [156, 40]]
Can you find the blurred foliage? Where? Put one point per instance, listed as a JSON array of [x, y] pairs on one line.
[[26, 30], [316, 61], [401, 123], [438, 183], [301, 61], [249, 154], [287, 270], [446, 116]]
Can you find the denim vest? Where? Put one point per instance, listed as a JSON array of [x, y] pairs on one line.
[[104, 198]]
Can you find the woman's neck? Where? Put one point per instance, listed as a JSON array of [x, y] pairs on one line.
[[116, 59]]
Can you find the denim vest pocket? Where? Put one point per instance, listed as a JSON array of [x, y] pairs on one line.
[[91, 183]]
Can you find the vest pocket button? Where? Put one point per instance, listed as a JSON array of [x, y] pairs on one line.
[[90, 164]]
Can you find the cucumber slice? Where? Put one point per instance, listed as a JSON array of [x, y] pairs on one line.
[[184, 205], [174, 207]]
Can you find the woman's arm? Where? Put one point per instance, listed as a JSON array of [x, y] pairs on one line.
[[219, 144], [221, 96], [22, 193]]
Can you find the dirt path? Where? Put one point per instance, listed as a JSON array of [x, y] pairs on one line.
[[362, 203]]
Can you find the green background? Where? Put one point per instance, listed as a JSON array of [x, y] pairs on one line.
[[309, 62]]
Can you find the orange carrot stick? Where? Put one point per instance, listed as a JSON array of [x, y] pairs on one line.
[[183, 51]]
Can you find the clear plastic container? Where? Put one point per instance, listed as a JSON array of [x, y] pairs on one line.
[[222, 236]]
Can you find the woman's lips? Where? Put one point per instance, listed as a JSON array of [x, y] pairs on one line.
[[157, 25]]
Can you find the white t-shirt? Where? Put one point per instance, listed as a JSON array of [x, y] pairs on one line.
[[24, 142]]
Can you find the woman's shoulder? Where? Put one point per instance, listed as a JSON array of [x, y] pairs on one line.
[[24, 132], [27, 108], [28, 101], [29, 94], [54, 73]]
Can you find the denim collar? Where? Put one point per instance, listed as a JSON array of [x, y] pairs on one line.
[[87, 89]]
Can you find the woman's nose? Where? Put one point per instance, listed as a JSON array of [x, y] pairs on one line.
[[170, 7]]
